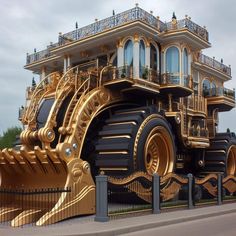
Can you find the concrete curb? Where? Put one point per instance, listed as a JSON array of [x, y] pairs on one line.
[[133, 228]]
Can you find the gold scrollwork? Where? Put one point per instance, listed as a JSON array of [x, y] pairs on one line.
[[229, 183], [171, 191], [130, 178]]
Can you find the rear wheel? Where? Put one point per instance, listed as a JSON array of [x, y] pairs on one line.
[[221, 155], [231, 161], [133, 140], [156, 149]]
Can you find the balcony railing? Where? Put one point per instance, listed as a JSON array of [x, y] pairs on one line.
[[123, 18], [126, 72], [174, 79], [198, 132], [149, 74], [197, 104], [214, 64], [134, 14], [215, 92], [190, 25]]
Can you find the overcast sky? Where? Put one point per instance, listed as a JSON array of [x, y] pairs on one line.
[[29, 24]]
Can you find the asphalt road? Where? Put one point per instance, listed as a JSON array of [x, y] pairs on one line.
[[223, 225]]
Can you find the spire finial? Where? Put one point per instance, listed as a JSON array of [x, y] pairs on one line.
[[174, 16], [33, 82]]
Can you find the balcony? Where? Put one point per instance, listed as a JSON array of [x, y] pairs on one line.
[[198, 105], [190, 26], [216, 67], [133, 15], [198, 132], [122, 79], [221, 98], [173, 84]]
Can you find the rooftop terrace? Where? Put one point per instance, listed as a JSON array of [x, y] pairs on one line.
[[132, 15]]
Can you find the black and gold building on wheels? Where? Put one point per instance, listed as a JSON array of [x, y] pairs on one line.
[[128, 93]]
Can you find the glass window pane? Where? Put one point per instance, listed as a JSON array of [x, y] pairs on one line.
[[153, 57], [172, 60], [128, 53], [206, 86]]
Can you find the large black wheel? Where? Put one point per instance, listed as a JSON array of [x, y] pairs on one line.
[[135, 139], [221, 155]]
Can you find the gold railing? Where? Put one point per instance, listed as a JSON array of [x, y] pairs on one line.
[[218, 92], [198, 132], [85, 86], [175, 79], [110, 73], [211, 62], [150, 75], [71, 75], [197, 103]]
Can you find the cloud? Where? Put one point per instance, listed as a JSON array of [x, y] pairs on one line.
[[26, 24]]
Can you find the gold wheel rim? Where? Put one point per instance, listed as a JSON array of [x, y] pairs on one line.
[[158, 152], [231, 161]]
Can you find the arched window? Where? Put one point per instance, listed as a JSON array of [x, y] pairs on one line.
[[128, 53], [141, 58], [172, 60], [213, 89], [206, 87], [185, 62], [153, 57]]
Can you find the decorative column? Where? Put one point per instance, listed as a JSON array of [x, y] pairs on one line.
[[170, 102], [181, 75], [189, 64], [43, 73], [163, 60], [120, 54], [147, 55], [136, 56], [189, 126], [65, 64], [68, 62]]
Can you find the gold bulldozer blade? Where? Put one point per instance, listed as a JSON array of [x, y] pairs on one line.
[[25, 195]]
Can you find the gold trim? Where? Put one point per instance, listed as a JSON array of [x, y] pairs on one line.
[[113, 152], [116, 136], [123, 123], [113, 168], [149, 118]]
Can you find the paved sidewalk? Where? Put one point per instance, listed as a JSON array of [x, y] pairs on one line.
[[86, 226]]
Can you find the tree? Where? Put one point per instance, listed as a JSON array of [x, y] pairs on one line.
[[9, 137]]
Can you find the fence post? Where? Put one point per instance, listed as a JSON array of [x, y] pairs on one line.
[[190, 191], [219, 189], [101, 199], [156, 194]]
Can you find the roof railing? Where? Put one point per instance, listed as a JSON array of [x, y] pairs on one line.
[[214, 64], [134, 14]]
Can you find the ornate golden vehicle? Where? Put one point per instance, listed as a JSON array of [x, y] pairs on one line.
[[127, 93]]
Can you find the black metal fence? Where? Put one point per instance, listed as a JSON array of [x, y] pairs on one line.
[[25, 206], [140, 193]]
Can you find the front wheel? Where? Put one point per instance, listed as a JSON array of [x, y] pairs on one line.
[[137, 139], [155, 147]]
